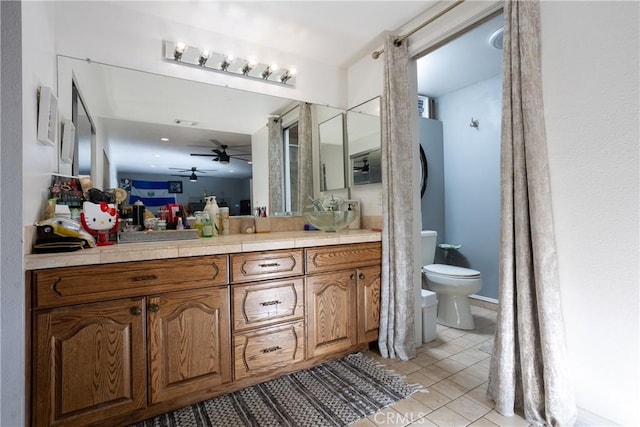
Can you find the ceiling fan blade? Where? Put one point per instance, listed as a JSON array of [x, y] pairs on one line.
[[204, 155]]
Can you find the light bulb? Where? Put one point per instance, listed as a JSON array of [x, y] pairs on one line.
[[179, 50], [204, 56]]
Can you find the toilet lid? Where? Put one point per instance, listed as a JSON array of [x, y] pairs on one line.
[[451, 270]]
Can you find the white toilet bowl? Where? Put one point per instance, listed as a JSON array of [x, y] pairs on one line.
[[453, 285]]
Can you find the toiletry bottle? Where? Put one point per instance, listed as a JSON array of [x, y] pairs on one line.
[[207, 226], [214, 213], [224, 220], [199, 222]]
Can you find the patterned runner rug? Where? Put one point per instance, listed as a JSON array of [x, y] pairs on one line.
[[334, 394]]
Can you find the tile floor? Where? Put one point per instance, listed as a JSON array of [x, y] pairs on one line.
[[454, 372]]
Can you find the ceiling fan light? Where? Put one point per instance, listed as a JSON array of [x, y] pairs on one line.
[[193, 177]]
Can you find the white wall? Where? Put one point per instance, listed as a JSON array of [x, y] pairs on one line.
[[38, 68], [36, 162], [590, 74], [12, 327], [472, 176]]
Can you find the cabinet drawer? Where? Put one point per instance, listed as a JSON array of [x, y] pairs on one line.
[[262, 304], [266, 265], [62, 286], [332, 258], [263, 350]]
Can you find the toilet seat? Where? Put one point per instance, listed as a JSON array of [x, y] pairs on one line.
[[450, 271]]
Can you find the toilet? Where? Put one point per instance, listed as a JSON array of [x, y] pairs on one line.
[[452, 284]]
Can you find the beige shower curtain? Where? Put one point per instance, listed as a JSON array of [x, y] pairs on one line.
[[529, 364], [396, 338], [276, 198], [305, 177]]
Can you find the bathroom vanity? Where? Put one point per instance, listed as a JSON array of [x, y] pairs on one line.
[[119, 334]]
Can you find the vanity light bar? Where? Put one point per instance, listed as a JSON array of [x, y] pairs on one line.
[[191, 56]]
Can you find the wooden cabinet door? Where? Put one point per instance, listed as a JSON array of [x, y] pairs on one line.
[[189, 342], [263, 350], [368, 303], [331, 314], [89, 362]]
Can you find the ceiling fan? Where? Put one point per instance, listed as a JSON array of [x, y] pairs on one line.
[[193, 177], [364, 168], [221, 155]]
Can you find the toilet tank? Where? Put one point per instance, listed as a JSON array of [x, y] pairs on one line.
[[429, 239]]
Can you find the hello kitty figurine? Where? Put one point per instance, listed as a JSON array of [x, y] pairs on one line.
[[99, 219]]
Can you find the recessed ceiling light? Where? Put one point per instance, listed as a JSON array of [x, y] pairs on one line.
[[153, 166], [164, 139], [156, 155], [231, 170], [249, 162], [185, 122]]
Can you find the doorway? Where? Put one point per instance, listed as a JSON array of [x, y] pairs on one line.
[[460, 86]]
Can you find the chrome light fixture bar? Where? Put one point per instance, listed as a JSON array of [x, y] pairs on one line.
[[180, 53]]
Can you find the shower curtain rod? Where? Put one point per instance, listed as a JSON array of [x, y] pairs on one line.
[[376, 54], [279, 116]]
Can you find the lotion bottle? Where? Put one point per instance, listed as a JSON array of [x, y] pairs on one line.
[[212, 208]]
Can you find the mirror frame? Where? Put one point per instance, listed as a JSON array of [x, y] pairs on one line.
[[322, 177], [351, 156], [77, 102]]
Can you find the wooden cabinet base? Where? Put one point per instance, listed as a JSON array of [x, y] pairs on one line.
[[111, 345]]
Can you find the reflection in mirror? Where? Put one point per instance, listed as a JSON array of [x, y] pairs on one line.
[[331, 133], [364, 136], [291, 166], [133, 111], [85, 134], [366, 167]]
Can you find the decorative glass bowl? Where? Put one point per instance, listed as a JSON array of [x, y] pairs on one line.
[[329, 214]]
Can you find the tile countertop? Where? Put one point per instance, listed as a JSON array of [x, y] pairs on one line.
[[233, 243]]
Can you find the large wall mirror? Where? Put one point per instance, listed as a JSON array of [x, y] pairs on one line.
[[364, 136], [155, 127], [332, 148]]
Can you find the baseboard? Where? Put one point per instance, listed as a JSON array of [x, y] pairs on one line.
[[589, 419], [484, 302]]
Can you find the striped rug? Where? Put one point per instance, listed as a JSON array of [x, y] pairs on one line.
[[333, 394]]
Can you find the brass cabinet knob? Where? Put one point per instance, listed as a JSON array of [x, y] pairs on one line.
[[154, 308], [361, 276], [136, 311]]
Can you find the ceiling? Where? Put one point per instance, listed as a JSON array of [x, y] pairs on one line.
[[139, 105], [334, 32], [466, 60]]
